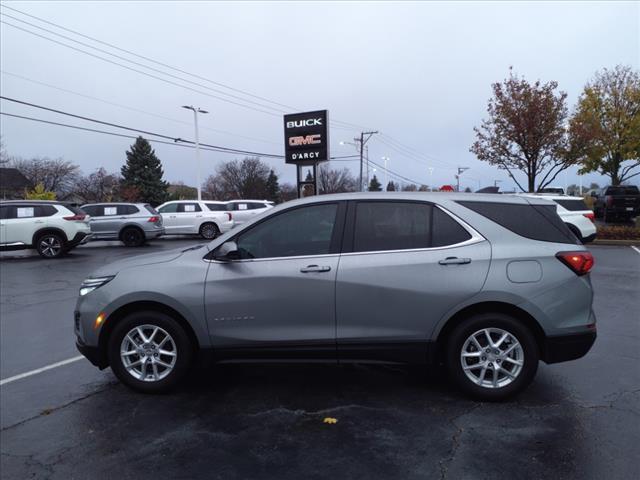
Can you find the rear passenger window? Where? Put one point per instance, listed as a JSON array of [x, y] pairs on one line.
[[127, 210], [537, 222], [189, 207], [169, 208], [391, 226], [446, 231], [44, 211]]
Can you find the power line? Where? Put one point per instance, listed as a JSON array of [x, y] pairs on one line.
[[148, 59], [397, 175], [146, 132], [122, 135], [126, 107]]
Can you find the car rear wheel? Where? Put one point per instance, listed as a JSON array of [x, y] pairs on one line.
[[209, 231], [492, 356], [149, 352], [50, 245], [132, 237]]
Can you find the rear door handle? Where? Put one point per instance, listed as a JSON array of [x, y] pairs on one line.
[[39, 221], [454, 261], [315, 268]]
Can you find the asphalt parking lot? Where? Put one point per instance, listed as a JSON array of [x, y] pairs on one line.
[[578, 420]]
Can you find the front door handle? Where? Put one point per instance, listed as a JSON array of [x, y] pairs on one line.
[[315, 268], [454, 261]]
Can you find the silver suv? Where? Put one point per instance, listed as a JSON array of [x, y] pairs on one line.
[[131, 223], [485, 285]]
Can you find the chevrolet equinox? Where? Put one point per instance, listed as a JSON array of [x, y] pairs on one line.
[[486, 285]]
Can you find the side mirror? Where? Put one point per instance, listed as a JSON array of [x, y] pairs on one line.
[[227, 252]]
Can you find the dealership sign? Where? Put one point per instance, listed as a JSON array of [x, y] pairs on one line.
[[306, 137]]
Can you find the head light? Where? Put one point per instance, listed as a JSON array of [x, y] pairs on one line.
[[90, 284]]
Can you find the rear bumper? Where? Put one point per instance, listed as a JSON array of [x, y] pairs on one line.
[[80, 239], [563, 348], [589, 238], [155, 233]]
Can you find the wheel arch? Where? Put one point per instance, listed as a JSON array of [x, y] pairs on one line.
[[130, 225], [45, 230], [138, 306], [488, 307]]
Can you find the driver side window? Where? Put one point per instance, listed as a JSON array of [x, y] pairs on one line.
[[301, 231]]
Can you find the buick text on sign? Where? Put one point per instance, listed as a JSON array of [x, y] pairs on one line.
[[306, 137]]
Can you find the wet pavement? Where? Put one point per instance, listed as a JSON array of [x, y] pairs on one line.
[[579, 419]]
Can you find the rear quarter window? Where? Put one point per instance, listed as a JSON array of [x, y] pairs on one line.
[[127, 209], [537, 222], [217, 207], [446, 231], [151, 210], [573, 205]]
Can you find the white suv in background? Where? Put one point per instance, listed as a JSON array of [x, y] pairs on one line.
[[574, 213], [52, 228], [245, 210], [190, 217]]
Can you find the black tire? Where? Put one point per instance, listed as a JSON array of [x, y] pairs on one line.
[[181, 341], [209, 231], [50, 245], [132, 237], [477, 323]]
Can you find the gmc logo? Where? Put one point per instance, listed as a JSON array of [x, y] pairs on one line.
[[305, 140], [309, 122]]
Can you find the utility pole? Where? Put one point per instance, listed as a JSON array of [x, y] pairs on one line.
[[461, 170], [196, 111], [362, 141]]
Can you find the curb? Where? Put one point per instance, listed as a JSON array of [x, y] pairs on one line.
[[605, 241]]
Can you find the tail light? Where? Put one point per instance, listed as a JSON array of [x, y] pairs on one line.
[[154, 219], [580, 262], [77, 218], [590, 216], [230, 216]]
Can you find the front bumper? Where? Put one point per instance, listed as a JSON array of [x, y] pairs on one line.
[[562, 348], [92, 354]]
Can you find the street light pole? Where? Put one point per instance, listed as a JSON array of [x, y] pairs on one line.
[[386, 181], [196, 111]]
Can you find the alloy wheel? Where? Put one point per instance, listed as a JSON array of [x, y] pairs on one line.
[[50, 246], [492, 358], [148, 353]]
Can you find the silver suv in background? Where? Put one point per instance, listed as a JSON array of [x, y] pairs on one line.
[[487, 285], [131, 223]]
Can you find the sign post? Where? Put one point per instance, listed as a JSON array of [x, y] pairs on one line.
[[306, 143]]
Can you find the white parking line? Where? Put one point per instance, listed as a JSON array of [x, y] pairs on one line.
[[636, 248], [40, 370]]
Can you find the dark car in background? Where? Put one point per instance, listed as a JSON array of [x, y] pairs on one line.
[[131, 223], [617, 203]]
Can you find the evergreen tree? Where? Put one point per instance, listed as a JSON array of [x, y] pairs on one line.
[[391, 187], [375, 185], [272, 187], [143, 171]]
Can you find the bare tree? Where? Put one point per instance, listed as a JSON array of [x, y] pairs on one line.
[[4, 156], [335, 181], [287, 192], [239, 179], [525, 131], [55, 175], [98, 186]]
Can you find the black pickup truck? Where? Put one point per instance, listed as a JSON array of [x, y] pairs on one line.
[[620, 202]]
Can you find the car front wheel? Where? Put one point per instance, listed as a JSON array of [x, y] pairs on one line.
[[149, 352], [492, 356]]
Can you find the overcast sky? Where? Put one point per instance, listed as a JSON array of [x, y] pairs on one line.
[[420, 73]]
